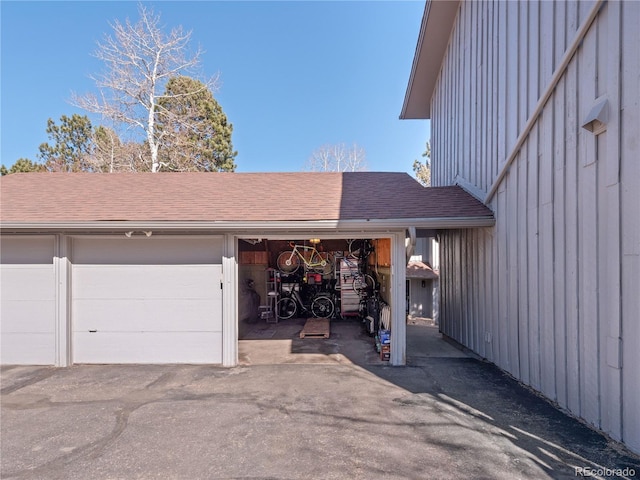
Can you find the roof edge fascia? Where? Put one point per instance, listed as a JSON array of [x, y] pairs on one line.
[[435, 29], [232, 227]]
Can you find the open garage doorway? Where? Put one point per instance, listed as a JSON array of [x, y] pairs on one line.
[[314, 300]]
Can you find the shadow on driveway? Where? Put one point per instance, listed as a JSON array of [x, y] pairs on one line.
[[442, 417]]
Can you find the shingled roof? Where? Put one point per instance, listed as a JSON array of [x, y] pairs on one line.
[[227, 197]]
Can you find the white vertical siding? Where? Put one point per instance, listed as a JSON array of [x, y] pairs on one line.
[[551, 293]]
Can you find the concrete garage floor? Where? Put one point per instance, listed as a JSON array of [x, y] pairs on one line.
[[269, 343], [321, 413]]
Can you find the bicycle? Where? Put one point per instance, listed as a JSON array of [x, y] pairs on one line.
[[363, 283], [321, 306], [359, 248], [289, 262]]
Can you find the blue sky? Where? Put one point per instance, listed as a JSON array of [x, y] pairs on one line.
[[294, 75]]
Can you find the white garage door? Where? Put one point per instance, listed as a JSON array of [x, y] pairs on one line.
[[27, 300], [147, 300]]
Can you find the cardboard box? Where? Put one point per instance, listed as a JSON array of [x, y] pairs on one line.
[[385, 352]]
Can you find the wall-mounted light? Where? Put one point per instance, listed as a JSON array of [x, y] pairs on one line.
[[314, 241], [597, 118], [129, 234]]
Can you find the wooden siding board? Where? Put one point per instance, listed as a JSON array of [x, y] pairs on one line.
[[447, 293], [532, 254], [560, 28], [511, 79], [609, 255], [536, 46], [589, 334], [572, 270], [467, 288], [488, 286], [559, 242], [512, 272], [457, 103], [546, 254], [495, 298], [503, 282], [609, 260], [477, 333], [503, 118], [473, 93], [523, 286], [482, 292], [466, 97], [523, 55], [461, 331], [630, 227], [486, 97]]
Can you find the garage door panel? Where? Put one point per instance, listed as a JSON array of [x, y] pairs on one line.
[[148, 281], [167, 315], [29, 348], [36, 316], [27, 300], [27, 282], [150, 347], [141, 250], [147, 300]]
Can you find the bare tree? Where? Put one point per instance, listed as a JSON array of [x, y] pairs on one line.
[[111, 155], [338, 158], [140, 59]]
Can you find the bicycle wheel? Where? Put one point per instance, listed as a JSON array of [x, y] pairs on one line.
[[363, 285], [288, 262], [286, 308], [359, 248], [327, 268], [355, 246], [322, 307]]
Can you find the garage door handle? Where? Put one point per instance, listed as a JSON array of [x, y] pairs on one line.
[[93, 331]]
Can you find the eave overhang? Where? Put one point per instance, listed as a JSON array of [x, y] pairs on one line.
[[363, 225], [437, 22]]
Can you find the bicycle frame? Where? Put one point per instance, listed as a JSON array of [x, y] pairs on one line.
[[288, 262]]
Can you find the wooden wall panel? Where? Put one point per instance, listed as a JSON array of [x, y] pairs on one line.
[[571, 278], [630, 219], [550, 293], [559, 253]]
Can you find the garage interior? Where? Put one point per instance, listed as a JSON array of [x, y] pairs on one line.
[[318, 297]]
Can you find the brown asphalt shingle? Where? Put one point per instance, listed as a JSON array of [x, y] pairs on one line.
[[79, 197]]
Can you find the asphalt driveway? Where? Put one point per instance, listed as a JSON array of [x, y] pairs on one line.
[[446, 418]]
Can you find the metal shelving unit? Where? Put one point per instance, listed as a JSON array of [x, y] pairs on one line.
[[269, 312], [349, 299]]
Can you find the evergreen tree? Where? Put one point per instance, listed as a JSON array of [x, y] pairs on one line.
[[72, 145], [195, 132], [22, 165]]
